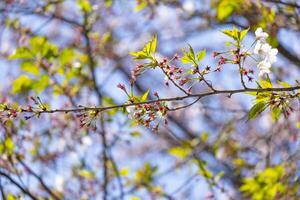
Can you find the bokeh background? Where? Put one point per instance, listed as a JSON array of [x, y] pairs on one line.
[[205, 152]]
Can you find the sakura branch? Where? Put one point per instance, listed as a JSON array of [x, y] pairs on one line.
[[151, 113]]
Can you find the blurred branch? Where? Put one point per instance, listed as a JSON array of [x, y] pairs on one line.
[[291, 4], [39, 178], [14, 182]]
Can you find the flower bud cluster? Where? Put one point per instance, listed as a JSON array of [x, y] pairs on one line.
[[281, 102], [149, 115]]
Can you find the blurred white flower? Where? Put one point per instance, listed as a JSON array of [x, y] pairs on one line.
[[130, 109], [257, 47], [260, 34], [264, 68], [59, 183], [74, 158], [86, 141], [189, 6], [265, 51], [76, 64], [271, 56]]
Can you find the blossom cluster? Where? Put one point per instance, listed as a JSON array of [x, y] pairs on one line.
[[149, 115], [265, 51]]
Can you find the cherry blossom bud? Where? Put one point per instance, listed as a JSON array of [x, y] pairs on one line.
[[121, 86]]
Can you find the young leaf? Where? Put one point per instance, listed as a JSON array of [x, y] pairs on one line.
[[22, 83], [265, 84], [144, 96], [141, 4], [243, 33], [84, 5], [21, 53], [275, 113], [201, 55], [180, 152], [256, 110], [30, 67], [189, 56]]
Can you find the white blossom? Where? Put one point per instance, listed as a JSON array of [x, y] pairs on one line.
[[265, 51], [257, 47], [130, 109], [271, 56], [264, 67], [59, 183], [189, 6], [260, 34], [87, 141]]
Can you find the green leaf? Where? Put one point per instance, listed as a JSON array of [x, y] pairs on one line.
[[141, 4], [265, 83], [66, 56], [243, 33], [135, 134], [191, 51], [135, 198], [298, 125], [86, 174], [108, 3], [257, 109], [9, 144], [30, 67], [21, 53], [226, 7], [153, 44], [144, 96], [148, 50], [21, 84], [84, 5], [41, 84], [124, 171], [285, 84], [180, 152], [234, 33], [10, 197], [189, 56], [275, 112], [204, 136], [201, 55], [140, 55], [40, 46]]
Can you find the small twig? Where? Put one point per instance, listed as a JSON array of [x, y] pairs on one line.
[[24, 190], [174, 83]]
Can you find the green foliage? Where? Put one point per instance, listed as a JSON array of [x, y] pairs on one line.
[[147, 52], [145, 174], [30, 67], [226, 7], [180, 152], [256, 110], [21, 84], [10, 197], [140, 5], [108, 3], [84, 173], [84, 5], [236, 34], [7, 146], [144, 97], [189, 56], [265, 185]]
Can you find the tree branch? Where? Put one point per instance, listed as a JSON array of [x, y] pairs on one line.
[[179, 98]]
